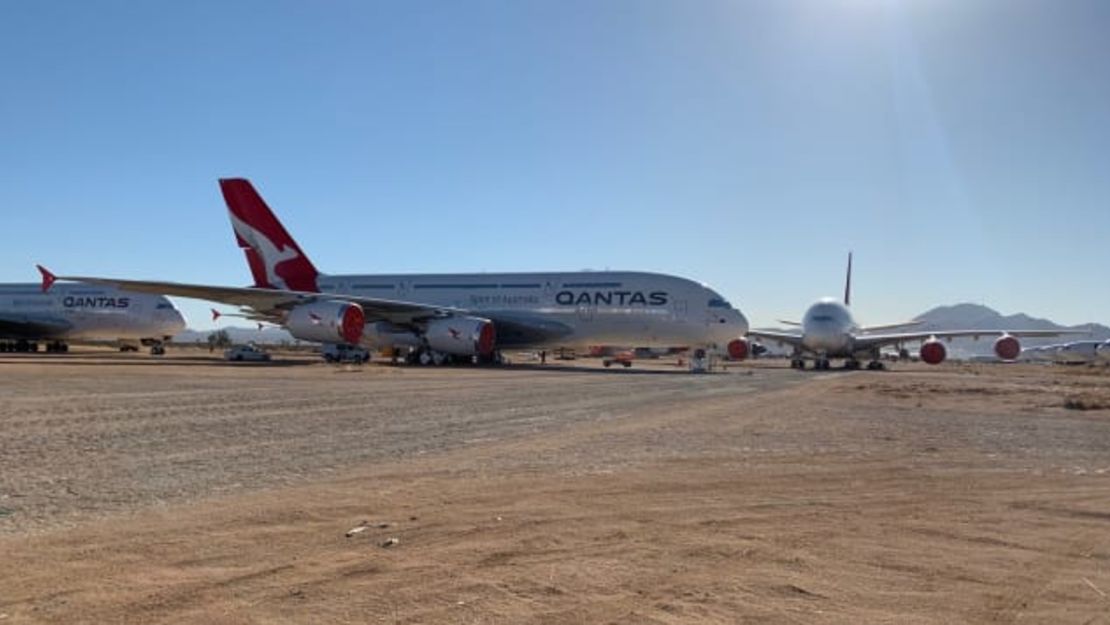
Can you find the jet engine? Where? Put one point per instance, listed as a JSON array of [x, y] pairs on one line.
[[1007, 347], [327, 322], [933, 352], [739, 349], [461, 336]]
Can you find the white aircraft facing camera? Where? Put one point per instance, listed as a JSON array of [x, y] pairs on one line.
[[441, 317], [828, 331]]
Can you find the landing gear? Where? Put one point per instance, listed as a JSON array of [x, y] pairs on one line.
[[158, 349], [875, 365], [821, 364], [20, 346], [57, 347], [701, 361], [851, 364], [798, 363]]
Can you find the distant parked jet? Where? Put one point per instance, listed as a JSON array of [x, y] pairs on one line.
[[829, 331], [80, 312]]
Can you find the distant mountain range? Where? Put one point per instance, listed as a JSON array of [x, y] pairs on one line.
[[956, 317]]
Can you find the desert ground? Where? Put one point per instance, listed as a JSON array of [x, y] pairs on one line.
[[188, 490]]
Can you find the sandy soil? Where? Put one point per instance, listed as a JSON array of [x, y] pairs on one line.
[[188, 491]]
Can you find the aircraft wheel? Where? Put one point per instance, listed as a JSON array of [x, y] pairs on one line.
[[627, 365]]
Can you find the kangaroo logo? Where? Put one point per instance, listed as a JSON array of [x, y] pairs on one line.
[[271, 254]]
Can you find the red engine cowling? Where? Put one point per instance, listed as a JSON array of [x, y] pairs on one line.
[[1007, 347], [739, 349], [933, 352], [327, 322], [461, 336]]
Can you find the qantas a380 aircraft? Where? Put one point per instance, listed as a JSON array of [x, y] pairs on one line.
[[80, 312], [829, 331], [446, 316]]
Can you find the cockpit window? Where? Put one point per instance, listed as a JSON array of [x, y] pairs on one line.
[[164, 306], [717, 302], [822, 317]]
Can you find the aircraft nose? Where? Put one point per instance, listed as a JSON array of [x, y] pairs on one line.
[[733, 325], [175, 321], [741, 322]]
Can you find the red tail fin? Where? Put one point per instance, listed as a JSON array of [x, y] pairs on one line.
[[275, 259]]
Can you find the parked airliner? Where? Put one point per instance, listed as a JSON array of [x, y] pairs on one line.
[[81, 312], [829, 331], [444, 316], [1079, 352]]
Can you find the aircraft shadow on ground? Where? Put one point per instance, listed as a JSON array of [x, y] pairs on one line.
[[563, 368], [185, 361]]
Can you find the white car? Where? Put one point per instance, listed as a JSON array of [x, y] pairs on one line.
[[246, 353], [340, 352]]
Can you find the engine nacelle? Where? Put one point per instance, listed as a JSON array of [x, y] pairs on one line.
[[739, 349], [461, 336], [933, 352], [1007, 348], [327, 322]]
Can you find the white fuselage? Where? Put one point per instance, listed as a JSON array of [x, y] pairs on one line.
[[576, 310], [84, 312], [1078, 352], [828, 329]]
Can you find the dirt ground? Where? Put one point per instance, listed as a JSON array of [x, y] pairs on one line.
[[188, 490]]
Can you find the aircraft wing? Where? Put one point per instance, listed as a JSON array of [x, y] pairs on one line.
[[786, 338], [891, 326], [267, 303], [271, 304], [31, 326], [869, 341], [522, 328]]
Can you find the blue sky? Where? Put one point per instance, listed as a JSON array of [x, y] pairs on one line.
[[959, 147]]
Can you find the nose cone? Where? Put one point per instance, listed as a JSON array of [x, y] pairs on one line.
[[177, 323], [731, 324], [170, 321]]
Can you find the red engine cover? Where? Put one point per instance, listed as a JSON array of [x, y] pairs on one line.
[[486, 339], [738, 349], [354, 320], [1007, 348], [933, 352]]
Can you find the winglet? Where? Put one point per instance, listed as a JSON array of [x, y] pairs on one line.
[[848, 283], [48, 279], [215, 314]]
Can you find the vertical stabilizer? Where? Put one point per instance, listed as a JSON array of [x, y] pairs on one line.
[[848, 283], [275, 259]]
